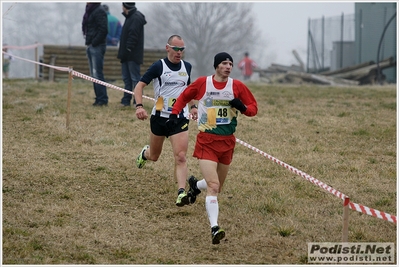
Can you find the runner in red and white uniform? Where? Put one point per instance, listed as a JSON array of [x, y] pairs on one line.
[[220, 100]]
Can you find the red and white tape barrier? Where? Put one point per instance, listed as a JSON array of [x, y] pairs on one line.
[[373, 212], [353, 206], [89, 78], [25, 47], [38, 63], [295, 170]]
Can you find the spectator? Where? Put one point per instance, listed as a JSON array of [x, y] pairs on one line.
[[114, 28], [247, 65], [95, 29], [220, 100], [170, 76], [7, 58], [131, 49]]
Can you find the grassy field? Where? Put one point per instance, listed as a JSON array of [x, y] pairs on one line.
[[75, 196]]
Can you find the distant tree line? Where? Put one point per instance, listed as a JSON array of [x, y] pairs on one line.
[[206, 27]]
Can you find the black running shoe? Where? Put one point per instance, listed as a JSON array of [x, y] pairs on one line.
[[217, 234], [193, 191]]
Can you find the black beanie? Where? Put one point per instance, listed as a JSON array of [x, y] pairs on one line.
[[221, 57], [129, 5]]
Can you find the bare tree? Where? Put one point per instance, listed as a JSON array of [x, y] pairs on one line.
[[207, 28], [46, 23]]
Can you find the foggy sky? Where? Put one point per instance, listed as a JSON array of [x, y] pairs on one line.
[[283, 25]]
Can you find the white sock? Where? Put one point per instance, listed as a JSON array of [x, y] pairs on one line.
[[201, 185], [212, 208]]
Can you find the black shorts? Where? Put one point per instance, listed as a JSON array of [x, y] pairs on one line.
[[158, 126]]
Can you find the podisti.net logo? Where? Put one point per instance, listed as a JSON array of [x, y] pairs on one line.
[[371, 253]]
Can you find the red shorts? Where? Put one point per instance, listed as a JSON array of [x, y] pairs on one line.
[[218, 148]]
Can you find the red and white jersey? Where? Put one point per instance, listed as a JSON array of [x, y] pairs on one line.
[[214, 108], [215, 115]]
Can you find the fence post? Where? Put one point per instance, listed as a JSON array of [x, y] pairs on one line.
[[345, 225], [37, 60], [69, 96], [51, 70]]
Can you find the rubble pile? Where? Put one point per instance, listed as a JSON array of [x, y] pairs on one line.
[[361, 74]]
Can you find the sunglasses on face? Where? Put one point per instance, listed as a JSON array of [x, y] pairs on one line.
[[176, 48]]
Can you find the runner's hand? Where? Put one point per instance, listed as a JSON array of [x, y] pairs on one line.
[[141, 113], [236, 103], [171, 123]]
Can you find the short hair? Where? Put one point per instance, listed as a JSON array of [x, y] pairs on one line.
[[246, 54], [173, 36]]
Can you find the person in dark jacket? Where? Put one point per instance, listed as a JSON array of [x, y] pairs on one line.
[[131, 49], [95, 30]]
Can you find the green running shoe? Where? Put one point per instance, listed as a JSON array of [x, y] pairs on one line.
[[182, 199], [217, 234], [140, 162]]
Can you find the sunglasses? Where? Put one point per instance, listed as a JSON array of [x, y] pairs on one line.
[[176, 48]]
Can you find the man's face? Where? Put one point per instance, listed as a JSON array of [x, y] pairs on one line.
[[224, 68], [175, 50]]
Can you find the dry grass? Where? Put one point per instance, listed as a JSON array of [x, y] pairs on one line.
[[75, 196]]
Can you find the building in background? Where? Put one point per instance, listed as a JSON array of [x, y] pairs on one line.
[[342, 54], [330, 42], [376, 34], [343, 41]]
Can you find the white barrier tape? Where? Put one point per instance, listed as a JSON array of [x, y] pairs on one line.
[[22, 47], [86, 77], [50, 66], [78, 74], [353, 206]]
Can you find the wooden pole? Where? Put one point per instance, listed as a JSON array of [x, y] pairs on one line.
[[345, 225], [37, 60], [69, 97], [51, 70]]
